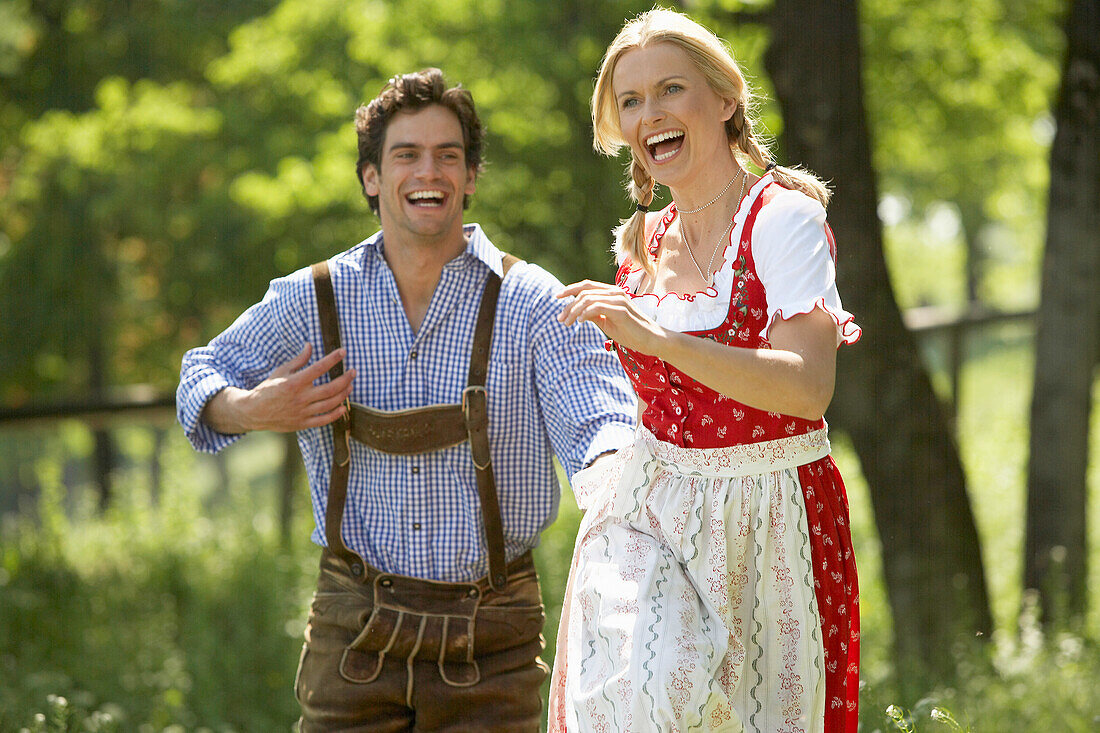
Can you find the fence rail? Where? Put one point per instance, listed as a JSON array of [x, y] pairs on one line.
[[135, 401], [148, 404]]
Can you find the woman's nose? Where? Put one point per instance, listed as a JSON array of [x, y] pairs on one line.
[[652, 111]]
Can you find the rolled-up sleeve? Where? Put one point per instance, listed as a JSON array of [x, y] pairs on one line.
[[268, 334]]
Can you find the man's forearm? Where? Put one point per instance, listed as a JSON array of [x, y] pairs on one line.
[[223, 413]]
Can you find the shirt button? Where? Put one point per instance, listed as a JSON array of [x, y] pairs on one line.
[[412, 355], [415, 469], [416, 526]]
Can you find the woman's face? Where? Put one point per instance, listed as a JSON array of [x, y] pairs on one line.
[[671, 118]]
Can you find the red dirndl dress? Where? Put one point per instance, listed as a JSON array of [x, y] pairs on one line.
[[713, 584]]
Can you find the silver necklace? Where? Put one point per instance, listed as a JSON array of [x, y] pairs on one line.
[[723, 193], [710, 263]]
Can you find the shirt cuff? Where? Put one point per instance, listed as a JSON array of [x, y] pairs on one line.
[[189, 411], [610, 438]]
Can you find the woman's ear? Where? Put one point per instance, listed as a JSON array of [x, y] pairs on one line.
[[729, 106]]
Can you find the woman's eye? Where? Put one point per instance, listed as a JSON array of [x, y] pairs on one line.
[[674, 88], [632, 102]]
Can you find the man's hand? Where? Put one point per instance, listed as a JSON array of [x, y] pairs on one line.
[[286, 401]]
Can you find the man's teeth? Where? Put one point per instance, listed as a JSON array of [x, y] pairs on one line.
[[430, 196]]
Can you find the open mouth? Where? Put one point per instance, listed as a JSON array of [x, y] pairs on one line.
[[664, 145], [426, 199]]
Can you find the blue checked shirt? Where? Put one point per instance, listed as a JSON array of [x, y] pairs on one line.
[[552, 389]]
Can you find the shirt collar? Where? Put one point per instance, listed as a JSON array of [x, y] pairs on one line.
[[478, 249]]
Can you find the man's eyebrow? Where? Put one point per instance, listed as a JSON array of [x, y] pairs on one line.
[[417, 146]]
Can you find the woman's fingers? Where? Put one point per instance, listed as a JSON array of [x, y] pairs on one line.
[[587, 305], [577, 287]]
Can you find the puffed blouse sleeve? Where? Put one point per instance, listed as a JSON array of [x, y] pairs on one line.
[[795, 257]]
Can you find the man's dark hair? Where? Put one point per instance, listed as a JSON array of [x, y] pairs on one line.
[[409, 93]]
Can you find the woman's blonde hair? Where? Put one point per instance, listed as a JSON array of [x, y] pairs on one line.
[[714, 60]]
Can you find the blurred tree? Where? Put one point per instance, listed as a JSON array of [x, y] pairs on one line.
[[1068, 341], [85, 178], [162, 168], [931, 556], [89, 217], [937, 73]]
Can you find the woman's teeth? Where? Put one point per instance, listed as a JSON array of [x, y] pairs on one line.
[[664, 145]]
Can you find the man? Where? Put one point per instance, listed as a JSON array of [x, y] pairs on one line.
[[427, 614]]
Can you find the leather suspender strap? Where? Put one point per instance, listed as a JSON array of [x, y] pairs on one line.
[[341, 452], [475, 408], [474, 412]]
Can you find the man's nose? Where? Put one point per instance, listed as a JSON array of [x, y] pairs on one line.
[[428, 167]]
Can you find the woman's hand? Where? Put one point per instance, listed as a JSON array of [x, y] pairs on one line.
[[611, 310]]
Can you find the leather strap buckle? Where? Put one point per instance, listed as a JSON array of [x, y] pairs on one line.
[[475, 410], [474, 391], [342, 428]]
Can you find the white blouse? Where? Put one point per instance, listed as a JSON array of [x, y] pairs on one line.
[[793, 250]]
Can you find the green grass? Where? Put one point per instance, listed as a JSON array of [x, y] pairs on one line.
[[186, 614]]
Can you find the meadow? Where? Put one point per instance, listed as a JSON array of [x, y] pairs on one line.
[[185, 612]]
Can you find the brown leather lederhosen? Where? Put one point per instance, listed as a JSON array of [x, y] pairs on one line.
[[401, 606]]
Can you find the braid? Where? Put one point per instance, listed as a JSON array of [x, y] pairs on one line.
[[630, 234], [794, 178]]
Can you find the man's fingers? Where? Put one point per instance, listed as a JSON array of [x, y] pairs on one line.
[[302, 359], [322, 407], [340, 386], [325, 418], [316, 370], [289, 367]]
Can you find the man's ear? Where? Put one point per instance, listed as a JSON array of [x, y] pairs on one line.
[[370, 177], [471, 181]]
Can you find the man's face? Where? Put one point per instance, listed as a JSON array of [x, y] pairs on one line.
[[423, 177]]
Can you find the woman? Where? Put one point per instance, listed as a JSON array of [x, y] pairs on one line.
[[713, 584]]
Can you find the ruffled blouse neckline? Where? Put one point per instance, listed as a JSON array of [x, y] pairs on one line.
[[702, 309]]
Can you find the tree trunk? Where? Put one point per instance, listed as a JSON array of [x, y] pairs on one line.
[[156, 465], [103, 452], [288, 479], [1068, 343], [884, 399]]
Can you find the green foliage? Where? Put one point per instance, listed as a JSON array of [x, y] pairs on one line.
[[158, 205], [958, 99], [187, 612], [159, 166]]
